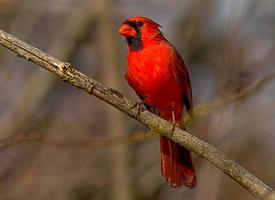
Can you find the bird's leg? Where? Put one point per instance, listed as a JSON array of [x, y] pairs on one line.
[[174, 124], [140, 107]]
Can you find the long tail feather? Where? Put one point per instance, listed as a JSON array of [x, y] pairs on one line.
[[176, 164]]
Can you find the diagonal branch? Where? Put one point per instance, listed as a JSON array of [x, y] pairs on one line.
[[69, 74]]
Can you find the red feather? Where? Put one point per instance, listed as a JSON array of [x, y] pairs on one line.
[[159, 76]]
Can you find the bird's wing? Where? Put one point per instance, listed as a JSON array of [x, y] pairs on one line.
[[182, 76]]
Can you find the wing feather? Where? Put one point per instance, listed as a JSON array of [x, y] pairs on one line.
[[182, 76]]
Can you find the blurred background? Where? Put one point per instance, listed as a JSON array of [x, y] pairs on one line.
[[58, 143]]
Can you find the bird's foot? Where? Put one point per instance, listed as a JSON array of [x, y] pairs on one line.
[[174, 125], [140, 108], [171, 132]]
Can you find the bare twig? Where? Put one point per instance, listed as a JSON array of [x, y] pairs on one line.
[[92, 143], [69, 74], [211, 107]]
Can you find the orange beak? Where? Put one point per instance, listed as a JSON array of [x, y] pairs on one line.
[[127, 31]]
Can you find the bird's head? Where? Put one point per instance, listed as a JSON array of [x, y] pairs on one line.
[[139, 31]]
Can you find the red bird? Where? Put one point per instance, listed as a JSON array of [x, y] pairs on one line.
[[160, 78]]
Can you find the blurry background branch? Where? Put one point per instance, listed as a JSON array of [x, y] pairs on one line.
[[115, 127], [39, 84], [67, 73], [211, 107]]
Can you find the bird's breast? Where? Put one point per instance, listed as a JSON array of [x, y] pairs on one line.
[[151, 75]]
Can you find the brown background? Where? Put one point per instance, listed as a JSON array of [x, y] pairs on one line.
[[227, 44]]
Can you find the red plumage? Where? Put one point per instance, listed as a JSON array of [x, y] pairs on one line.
[[160, 78]]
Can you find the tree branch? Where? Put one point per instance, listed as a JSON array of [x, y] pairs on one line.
[[69, 74]]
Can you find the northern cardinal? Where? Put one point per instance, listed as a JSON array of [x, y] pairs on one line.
[[157, 73]]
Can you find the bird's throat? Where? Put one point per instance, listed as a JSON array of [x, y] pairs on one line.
[[135, 43]]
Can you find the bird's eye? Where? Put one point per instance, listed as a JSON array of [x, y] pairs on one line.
[[139, 24]]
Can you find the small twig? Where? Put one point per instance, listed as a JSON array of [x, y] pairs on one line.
[[70, 75], [92, 143], [211, 107]]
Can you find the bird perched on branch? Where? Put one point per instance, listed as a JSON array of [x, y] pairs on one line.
[[157, 73]]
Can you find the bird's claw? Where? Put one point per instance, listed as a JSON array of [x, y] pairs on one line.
[[174, 125], [171, 132], [140, 108]]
